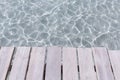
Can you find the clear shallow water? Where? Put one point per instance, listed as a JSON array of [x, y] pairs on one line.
[[76, 23]]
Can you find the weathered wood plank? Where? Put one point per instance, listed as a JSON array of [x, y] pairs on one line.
[[53, 67], [86, 64], [36, 65], [5, 58], [70, 71], [115, 61], [102, 63], [20, 63]]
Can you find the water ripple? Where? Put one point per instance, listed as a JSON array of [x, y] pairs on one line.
[[77, 23]]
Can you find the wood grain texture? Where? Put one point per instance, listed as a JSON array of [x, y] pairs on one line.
[[5, 58], [29, 64], [102, 63], [86, 64], [36, 64], [70, 71], [53, 67], [115, 61], [20, 63]]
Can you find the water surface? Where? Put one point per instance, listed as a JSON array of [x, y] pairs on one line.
[[76, 23]]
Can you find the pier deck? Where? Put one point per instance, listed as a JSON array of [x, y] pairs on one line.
[[59, 63]]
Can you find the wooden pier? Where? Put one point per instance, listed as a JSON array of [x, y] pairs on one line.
[[59, 63]]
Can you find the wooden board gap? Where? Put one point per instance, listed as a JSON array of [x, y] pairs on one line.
[[112, 69], [44, 72], [28, 63], [94, 68], [78, 68], [61, 72], [10, 65]]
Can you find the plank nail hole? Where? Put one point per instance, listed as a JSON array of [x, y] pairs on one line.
[[94, 68], [61, 72], [44, 72]]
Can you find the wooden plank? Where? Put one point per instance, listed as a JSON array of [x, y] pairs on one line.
[[36, 65], [86, 64], [115, 61], [53, 67], [70, 71], [5, 58], [102, 63], [20, 63]]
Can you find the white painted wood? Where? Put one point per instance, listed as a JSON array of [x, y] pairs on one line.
[[86, 64], [20, 63], [70, 71], [115, 61], [102, 63], [5, 58], [36, 65], [53, 67]]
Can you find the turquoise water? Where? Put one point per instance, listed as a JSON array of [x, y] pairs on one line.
[[76, 23]]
